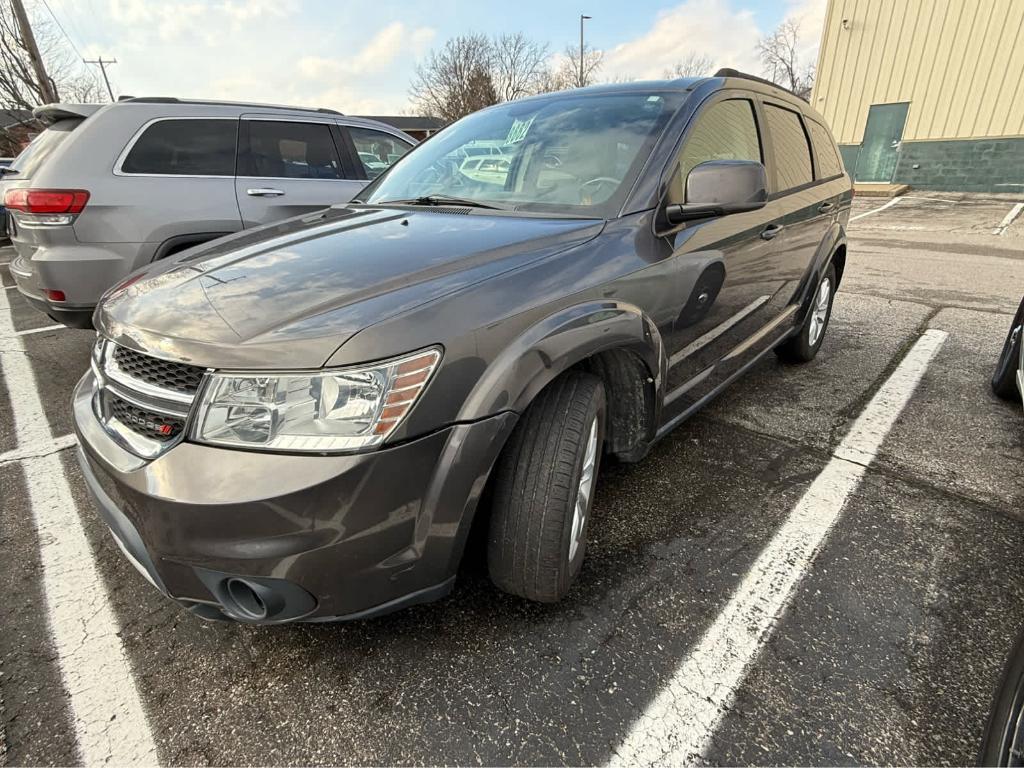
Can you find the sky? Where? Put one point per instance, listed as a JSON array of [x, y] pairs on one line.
[[359, 57]]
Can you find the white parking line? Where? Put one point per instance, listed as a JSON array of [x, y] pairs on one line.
[[889, 204], [110, 723], [679, 724], [1008, 219], [44, 329], [39, 449]]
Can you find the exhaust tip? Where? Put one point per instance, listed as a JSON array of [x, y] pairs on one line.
[[245, 599]]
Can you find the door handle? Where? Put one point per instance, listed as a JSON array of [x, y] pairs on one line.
[[771, 231], [264, 192], [826, 207]]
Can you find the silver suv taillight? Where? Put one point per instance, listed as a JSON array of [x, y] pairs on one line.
[[45, 207]]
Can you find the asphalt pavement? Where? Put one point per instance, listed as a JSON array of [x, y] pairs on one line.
[[885, 646]]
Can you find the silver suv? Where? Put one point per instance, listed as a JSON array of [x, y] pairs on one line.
[[104, 190]]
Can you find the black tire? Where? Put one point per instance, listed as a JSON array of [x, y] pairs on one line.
[[1004, 735], [802, 348], [1004, 380], [536, 486]]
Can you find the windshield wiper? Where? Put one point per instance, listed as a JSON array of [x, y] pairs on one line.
[[446, 200], [5, 171]]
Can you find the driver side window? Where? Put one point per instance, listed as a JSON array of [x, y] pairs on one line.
[[727, 130]]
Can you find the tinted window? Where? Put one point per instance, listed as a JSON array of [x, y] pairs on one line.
[[792, 153], [825, 150], [42, 146], [185, 147], [726, 130], [377, 150], [290, 150]]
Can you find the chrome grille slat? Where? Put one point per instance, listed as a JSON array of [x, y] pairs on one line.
[[143, 402]]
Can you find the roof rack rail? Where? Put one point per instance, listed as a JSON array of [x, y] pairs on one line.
[[729, 72], [213, 102]]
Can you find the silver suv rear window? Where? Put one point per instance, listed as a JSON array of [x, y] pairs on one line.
[[175, 147], [42, 146]]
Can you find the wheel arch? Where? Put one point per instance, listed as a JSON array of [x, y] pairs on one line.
[[613, 340]]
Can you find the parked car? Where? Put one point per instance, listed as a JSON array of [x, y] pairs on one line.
[[105, 190], [1003, 742], [1008, 379], [299, 422], [5, 162]]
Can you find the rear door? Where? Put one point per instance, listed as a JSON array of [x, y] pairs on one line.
[[287, 167], [806, 211]]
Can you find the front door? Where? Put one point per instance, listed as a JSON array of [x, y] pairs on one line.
[[727, 273], [880, 148]]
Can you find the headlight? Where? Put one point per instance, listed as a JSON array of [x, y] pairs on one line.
[[333, 410]]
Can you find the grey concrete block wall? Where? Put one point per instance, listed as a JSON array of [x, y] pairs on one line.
[[965, 165]]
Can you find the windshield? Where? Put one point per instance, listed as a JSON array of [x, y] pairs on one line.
[[572, 154], [42, 146]]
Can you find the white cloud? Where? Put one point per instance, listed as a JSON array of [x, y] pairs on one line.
[[391, 44], [714, 28], [705, 27]]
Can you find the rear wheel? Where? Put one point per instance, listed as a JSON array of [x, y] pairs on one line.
[[544, 489], [1004, 380], [803, 347]]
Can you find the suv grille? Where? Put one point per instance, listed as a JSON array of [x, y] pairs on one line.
[[178, 377], [155, 426]]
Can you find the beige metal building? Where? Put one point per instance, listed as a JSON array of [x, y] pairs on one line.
[[926, 92]]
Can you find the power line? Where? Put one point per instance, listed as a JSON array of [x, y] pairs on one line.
[[61, 28]]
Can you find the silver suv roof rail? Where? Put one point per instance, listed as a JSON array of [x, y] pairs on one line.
[[212, 102]]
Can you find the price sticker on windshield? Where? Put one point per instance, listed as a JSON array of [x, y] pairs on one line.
[[518, 131]]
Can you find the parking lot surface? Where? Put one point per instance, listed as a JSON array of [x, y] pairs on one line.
[[884, 647]]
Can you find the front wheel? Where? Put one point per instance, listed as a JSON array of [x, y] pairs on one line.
[[1004, 380], [803, 347], [544, 490]]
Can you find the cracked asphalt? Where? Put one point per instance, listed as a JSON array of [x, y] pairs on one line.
[[888, 652]]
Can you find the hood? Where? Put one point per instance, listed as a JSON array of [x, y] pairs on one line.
[[288, 295]]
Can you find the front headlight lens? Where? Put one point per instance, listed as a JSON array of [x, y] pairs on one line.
[[344, 409]]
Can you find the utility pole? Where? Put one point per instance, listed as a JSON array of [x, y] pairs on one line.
[[46, 88], [582, 17], [103, 62]]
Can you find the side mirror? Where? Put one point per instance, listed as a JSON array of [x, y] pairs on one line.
[[721, 187]]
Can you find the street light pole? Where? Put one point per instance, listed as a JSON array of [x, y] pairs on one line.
[[582, 17]]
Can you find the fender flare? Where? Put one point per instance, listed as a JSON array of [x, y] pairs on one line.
[[548, 348], [181, 242]]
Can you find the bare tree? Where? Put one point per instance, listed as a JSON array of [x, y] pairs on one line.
[[19, 86], [519, 66], [568, 69], [691, 65], [456, 80], [780, 59]]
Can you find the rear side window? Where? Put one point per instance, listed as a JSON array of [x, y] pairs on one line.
[[726, 130], [792, 153], [287, 149], [377, 150], [825, 150], [185, 148], [42, 146]]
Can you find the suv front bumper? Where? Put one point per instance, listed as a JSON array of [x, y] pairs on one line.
[[315, 538]]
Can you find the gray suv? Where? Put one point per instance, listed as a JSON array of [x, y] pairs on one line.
[[304, 422], [104, 190]]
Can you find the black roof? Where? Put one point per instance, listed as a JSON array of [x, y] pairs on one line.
[[409, 122]]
